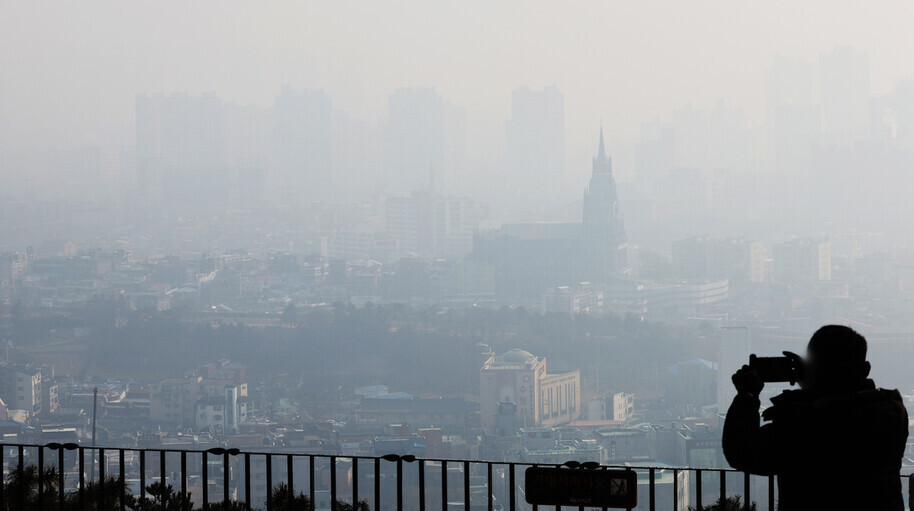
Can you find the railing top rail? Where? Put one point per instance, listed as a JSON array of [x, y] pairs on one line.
[[387, 457], [219, 451]]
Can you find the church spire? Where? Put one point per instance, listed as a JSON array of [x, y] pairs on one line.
[[601, 155]]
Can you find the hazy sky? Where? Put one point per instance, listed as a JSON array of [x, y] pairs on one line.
[[69, 70]]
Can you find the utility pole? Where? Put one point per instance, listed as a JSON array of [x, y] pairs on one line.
[[94, 412], [94, 417]]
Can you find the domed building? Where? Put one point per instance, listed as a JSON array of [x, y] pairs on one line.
[[519, 377]]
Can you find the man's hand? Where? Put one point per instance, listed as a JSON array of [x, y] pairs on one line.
[[747, 381]]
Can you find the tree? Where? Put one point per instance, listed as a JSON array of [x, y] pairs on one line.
[[91, 498], [283, 497], [162, 497], [22, 488], [347, 506], [727, 504], [21, 492]]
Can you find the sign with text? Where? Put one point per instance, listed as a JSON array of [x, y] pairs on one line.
[[550, 486]]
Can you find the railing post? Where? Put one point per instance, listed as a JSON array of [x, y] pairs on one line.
[[355, 482], [269, 461], [82, 477], [443, 485], [723, 484], [399, 484], [466, 485], [698, 488], [122, 479], [247, 481], [142, 475], [225, 479], [332, 483], [162, 475], [204, 475], [101, 479], [40, 478], [421, 485], [184, 478], [512, 495], [60, 475], [747, 491], [19, 471], [651, 491], [377, 483], [489, 498]]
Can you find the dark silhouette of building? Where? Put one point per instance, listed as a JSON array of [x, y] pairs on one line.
[[605, 244]]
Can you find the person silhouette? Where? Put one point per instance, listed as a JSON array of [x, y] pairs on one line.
[[836, 443]]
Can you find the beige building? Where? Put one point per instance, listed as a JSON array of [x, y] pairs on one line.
[[519, 377]]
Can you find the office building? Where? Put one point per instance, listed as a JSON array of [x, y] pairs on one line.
[[735, 259], [801, 260]]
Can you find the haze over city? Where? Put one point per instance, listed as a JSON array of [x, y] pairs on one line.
[[73, 82], [309, 237]]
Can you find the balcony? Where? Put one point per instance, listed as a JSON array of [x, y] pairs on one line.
[[390, 482]]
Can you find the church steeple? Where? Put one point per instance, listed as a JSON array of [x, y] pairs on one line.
[[601, 155], [605, 244]]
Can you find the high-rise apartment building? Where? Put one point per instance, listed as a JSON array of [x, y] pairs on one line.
[[844, 78], [535, 137], [181, 147], [302, 141], [432, 225], [413, 140]]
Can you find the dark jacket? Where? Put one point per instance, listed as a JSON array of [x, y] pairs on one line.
[[837, 452]]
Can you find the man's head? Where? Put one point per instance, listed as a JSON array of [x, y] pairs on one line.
[[835, 359]]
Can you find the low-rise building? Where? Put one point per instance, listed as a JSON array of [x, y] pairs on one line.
[[519, 377], [20, 386]]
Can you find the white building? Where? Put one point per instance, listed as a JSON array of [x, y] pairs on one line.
[[20, 387]]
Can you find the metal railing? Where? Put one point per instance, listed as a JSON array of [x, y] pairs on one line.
[[390, 482]]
